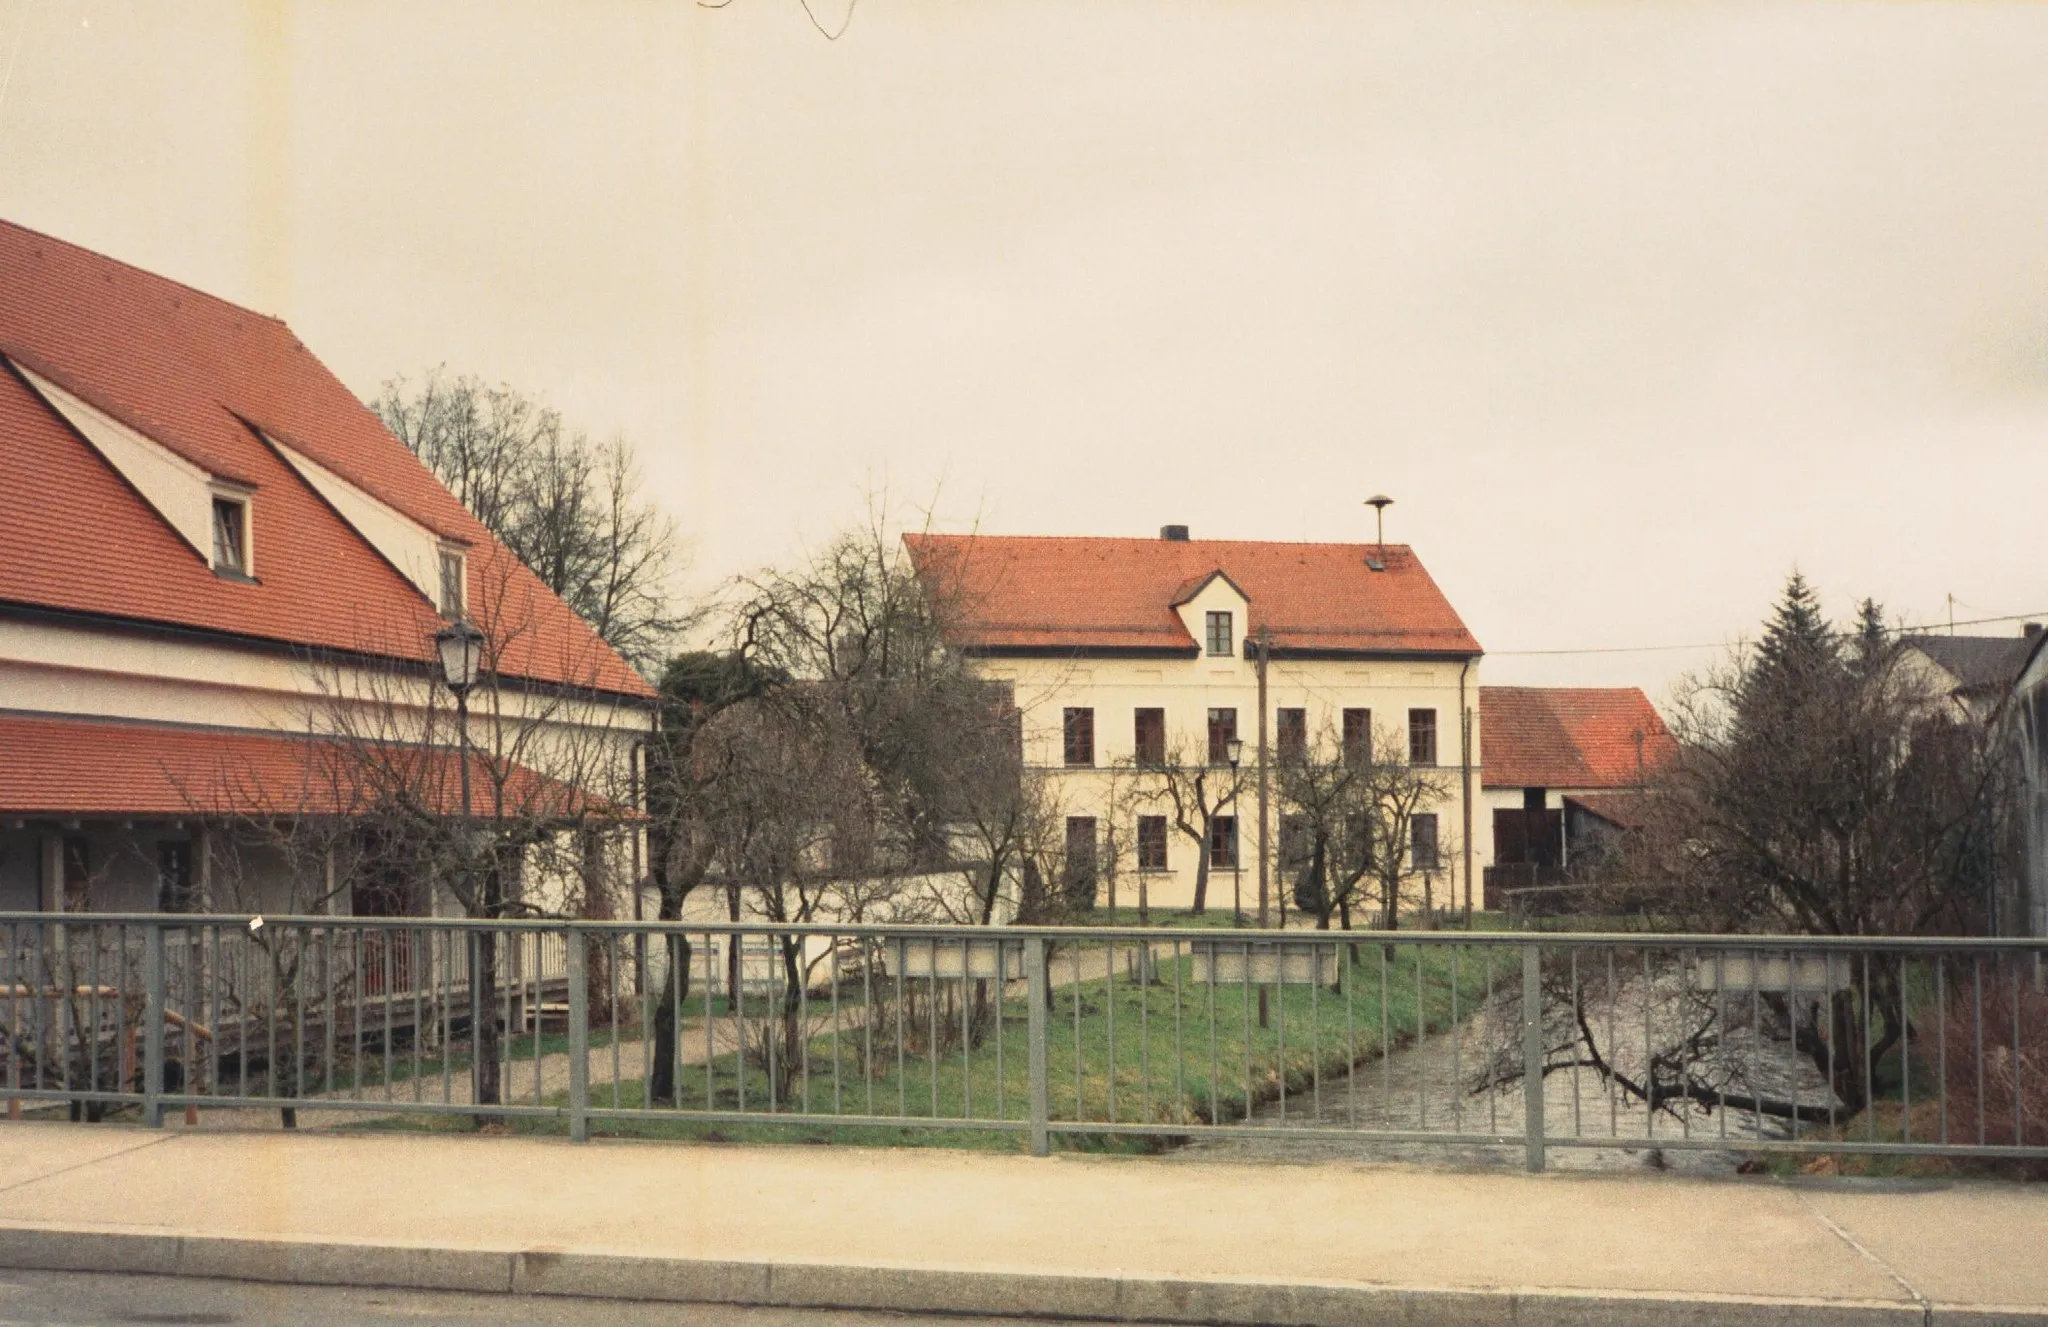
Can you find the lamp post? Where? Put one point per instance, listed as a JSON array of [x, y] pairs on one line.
[[460, 647], [1233, 751]]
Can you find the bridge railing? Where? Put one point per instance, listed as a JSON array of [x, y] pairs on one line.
[[1404, 1038]]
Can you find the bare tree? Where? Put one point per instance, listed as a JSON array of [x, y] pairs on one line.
[[567, 505], [1194, 792]]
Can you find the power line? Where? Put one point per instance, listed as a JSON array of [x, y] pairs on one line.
[[1908, 630]]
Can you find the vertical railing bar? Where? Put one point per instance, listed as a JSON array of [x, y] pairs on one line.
[[1145, 971], [1109, 957], [270, 1074], [1792, 1039], [1977, 1003], [1246, 976], [803, 1015], [389, 947], [832, 960], [869, 948], [1347, 965], [444, 992], [1578, 1123], [92, 1042], [1280, 1025], [1721, 1038], [739, 1009], [576, 968], [1457, 1051], [537, 1011], [1180, 1053], [413, 978], [152, 1026], [1002, 993], [1756, 1043], [1905, 1054], [902, 1071], [1036, 996], [1869, 1068], [1649, 1053], [1493, 1097], [1386, 1042], [1532, 1056], [1613, 1049], [2014, 987], [1315, 1031], [1941, 1037], [966, 1037], [611, 965], [1685, 1103], [1215, 1059], [1421, 1039], [1080, 1101]]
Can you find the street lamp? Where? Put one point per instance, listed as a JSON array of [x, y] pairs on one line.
[[461, 647], [1233, 751]]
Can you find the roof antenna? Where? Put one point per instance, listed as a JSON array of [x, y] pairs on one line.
[[1379, 502]]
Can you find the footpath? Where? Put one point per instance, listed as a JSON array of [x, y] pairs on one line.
[[1109, 1239]]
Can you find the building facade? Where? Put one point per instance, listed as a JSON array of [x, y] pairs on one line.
[[1128, 658], [219, 603]]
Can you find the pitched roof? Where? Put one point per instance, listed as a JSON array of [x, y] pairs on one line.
[[1568, 737], [77, 766], [1010, 592], [206, 380], [1978, 663]]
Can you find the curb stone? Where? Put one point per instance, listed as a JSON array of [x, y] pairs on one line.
[[1225, 1302]]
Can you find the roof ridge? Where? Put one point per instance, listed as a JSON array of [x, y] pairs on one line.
[[157, 277], [1154, 539]]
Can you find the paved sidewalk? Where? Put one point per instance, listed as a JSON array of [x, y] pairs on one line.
[[1108, 1238]]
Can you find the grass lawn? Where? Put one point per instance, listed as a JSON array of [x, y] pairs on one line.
[[1172, 1051]]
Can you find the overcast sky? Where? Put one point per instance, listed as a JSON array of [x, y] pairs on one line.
[[1631, 307]]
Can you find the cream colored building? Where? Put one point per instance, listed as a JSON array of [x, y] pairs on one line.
[[1109, 642], [220, 571]]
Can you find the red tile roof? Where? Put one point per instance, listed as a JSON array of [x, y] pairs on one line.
[[1026, 592], [200, 376], [69, 766], [1568, 737]]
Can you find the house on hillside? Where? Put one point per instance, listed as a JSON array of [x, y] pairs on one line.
[[1127, 656], [2025, 712], [222, 604], [1564, 768], [1975, 672]]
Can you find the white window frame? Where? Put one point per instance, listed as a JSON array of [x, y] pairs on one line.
[[461, 559], [242, 498]]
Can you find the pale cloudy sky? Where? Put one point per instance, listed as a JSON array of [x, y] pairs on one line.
[[1631, 306]]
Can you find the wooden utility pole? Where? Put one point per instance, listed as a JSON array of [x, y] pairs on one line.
[[1265, 790]]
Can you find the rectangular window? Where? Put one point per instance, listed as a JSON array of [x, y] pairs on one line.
[[1422, 737], [1422, 841], [1290, 734], [1296, 847], [1079, 732], [1358, 736], [453, 597], [1222, 731], [1223, 840], [1152, 843], [1080, 862], [231, 536], [1219, 633], [175, 888], [1150, 736]]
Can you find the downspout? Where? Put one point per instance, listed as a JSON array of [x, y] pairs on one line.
[[1465, 779]]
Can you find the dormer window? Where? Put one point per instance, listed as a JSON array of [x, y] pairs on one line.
[[454, 578], [1219, 633], [231, 536]]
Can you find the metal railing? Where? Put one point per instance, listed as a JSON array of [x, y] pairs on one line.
[[1533, 1042]]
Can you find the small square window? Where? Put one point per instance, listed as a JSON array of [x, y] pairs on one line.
[[1219, 633], [454, 599], [231, 536]]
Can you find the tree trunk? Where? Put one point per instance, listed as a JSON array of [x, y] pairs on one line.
[[1201, 881], [674, 992]]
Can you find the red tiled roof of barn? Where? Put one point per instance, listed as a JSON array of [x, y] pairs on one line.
[[70, 766], [1569, 737], [1046, 592], [200, 376]]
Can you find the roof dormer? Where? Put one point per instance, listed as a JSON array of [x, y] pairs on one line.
[[1215, 612], [437, 566]]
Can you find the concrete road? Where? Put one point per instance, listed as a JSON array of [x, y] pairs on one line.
[[86, 1299]]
